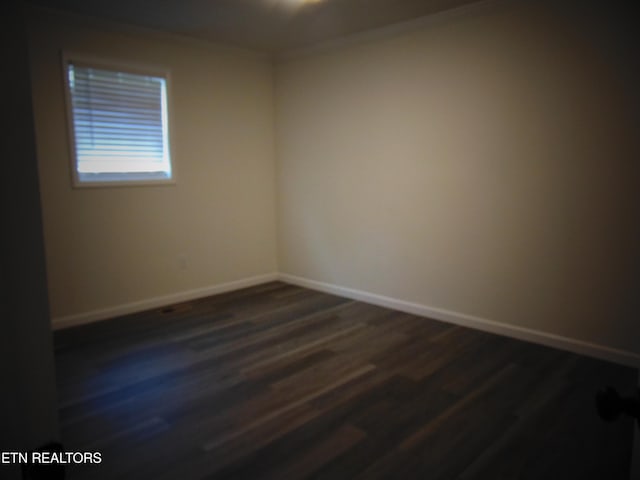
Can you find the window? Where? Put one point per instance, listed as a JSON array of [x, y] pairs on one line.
[[118, 124]]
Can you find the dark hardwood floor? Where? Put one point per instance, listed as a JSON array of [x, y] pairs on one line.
[[281, 382]]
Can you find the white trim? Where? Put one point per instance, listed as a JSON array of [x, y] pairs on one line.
[[94, 22], [161, 301], [393, 30], [543, 338], [536, 336], [89, 60]]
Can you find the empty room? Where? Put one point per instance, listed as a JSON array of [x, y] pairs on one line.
[[321, 239]]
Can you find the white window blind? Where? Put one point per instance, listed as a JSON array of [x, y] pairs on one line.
[[119, 125]]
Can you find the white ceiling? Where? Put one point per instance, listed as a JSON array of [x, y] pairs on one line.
[[273, 26]]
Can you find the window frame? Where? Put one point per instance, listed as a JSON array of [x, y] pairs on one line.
[[124, 67]]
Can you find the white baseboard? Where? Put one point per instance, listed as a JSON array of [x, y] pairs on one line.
[[161, 301], [549, 339]]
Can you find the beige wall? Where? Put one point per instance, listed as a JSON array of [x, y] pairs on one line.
[[110, 246], [485, 165]]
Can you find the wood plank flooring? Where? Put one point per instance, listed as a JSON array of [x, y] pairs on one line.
[[280, 382]]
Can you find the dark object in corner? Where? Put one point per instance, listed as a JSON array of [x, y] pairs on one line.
[[611, 405], [37, 471]]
